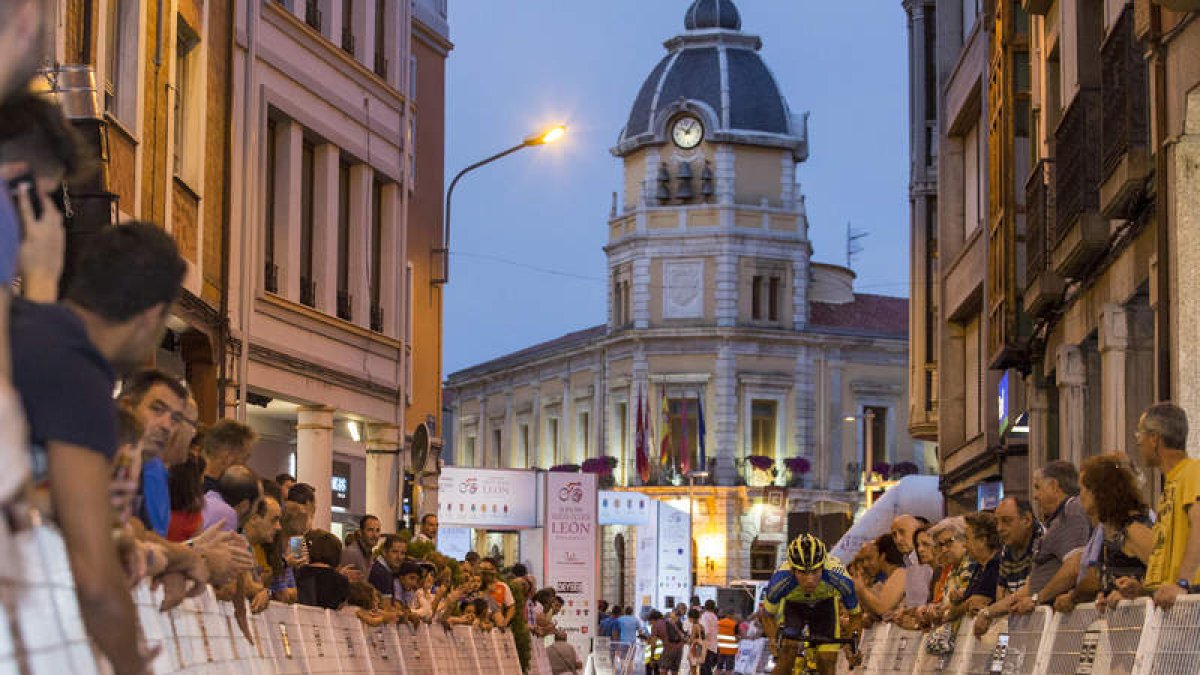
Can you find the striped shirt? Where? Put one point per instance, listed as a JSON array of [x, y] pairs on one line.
[[1014, 568]]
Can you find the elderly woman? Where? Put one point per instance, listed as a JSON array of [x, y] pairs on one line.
[[950, 537], [983, 547]]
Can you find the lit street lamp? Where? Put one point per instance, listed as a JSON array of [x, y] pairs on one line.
[[544, 137]]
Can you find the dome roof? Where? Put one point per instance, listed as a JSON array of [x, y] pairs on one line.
[[714, 71], [712, 14]]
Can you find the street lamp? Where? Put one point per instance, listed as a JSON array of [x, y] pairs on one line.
[[544, 137]]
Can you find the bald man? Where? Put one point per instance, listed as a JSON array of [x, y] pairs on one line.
[[917, 575]]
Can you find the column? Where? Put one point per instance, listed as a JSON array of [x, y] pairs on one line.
[[314, 456], [383, 473], [565, 447], [800, 290], [837, 426], [1071, 371], [1038, 397], [394, 297], [1184, 296], [508, 436], [804, 392], [287, 187], [1114, 345], [723, 417], [483, 441], [326, 159], [726, 289], [641, 292], [361, 179]]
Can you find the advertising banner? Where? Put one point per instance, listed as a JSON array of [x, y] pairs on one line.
[[674, 556], [572, 559], [646, 580], [493, 499], [624, 508]]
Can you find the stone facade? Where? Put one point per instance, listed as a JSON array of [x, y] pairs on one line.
[[714, 304]]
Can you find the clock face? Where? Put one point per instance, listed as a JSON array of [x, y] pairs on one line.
[[687, 132]]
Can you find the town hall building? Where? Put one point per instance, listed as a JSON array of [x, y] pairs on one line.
[[717, 310]]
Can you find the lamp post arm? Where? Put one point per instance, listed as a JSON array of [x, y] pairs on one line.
[[444, 250]]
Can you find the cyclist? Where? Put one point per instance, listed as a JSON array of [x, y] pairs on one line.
[[811, 590]]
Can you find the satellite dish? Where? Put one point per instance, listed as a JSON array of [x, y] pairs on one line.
[[420, 448]]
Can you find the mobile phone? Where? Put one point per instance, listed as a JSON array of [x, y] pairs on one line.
[[35, 200], [296, 546]]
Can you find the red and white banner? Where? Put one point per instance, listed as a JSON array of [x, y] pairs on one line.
[[572, 560]]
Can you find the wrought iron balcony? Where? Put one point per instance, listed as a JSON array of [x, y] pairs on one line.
[[348, 40], [381, 65], [312, 15], [345, 306], [1043, 286], [1125, 124], [1080, 232]]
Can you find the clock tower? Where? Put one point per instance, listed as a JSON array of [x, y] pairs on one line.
[[710, 230]]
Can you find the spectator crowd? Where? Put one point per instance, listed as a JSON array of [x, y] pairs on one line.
[[138, 487], [1088, 536]]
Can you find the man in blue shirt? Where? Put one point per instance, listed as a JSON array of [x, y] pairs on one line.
[[627, 627], [159, 402]]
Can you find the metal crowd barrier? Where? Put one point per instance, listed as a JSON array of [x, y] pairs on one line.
[[1134, 639], [42, 632]]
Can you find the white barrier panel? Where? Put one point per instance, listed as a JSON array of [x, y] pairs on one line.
[[1030, 640], [316, 638], [897, 654], [283, 635], [462, 641], [383, 649], [1068, 636], [874, 647], [508, 662], [350, 643], [1127, 625], [417, 651], [1177, 646], [445, 657]]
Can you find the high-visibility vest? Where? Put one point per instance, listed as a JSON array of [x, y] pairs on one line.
[[727, 643]]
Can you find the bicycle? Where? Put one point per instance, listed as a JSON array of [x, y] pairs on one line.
[[806, 662]]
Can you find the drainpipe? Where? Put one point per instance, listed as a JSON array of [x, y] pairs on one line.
[[245, 273], [227, 218]]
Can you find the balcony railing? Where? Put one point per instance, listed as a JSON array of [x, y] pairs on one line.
[[345, 306], [1043, 286], [348, 40], [271, 277], [1125, 124]]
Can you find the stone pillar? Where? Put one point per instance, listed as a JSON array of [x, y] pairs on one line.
[[1184, 295], [1114, 345], [383, 473], [800, 291], [362, 178], [289, 149], [723, 417], [508, 434], [641, 292], [804, 391], [1038, 398], [394, 298], [326, 217], [837, 425], [1071, 369], [314, 456], [726, 289]]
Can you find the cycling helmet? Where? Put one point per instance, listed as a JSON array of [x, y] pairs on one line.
[[806, 553]]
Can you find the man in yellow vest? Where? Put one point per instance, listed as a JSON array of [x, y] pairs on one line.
[[727, 644]]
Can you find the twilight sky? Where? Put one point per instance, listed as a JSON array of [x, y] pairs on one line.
[[527, 232]]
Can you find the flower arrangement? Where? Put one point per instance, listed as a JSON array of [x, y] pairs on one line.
[[903, 469], [798, 465], [565, 468], [760, 462], [602, 465]]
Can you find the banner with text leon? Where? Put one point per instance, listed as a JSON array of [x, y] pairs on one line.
[[495, 499], [571, 553]]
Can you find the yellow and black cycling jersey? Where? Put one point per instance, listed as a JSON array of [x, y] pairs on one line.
[[789, 603]]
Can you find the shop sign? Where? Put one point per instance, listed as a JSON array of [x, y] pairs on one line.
[[624, 508], [493, 499], [339, 485], [572, 536]]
